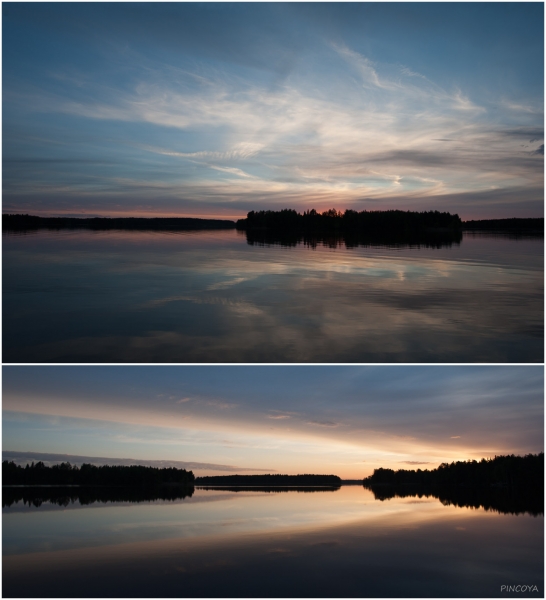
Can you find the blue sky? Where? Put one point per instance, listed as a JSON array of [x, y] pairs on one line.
[[217, 109], [341, 420]]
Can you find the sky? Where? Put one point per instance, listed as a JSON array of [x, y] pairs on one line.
[[215, 420], [212, 110]]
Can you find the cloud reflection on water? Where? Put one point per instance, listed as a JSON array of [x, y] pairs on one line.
[[211, 298]]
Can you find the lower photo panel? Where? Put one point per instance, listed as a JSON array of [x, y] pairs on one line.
[[273, 481]]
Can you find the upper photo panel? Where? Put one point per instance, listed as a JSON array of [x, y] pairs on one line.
[[273, 183]]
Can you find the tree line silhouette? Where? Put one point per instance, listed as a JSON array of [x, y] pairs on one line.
[[393, 223], [270, 480], [386, 222], [19, 222], [499, 471], [109, 475]]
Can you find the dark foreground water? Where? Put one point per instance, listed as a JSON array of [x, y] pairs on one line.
[[120, 296], [218, 543]]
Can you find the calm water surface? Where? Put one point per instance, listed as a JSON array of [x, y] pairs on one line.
[[120, 296], [343, 543]]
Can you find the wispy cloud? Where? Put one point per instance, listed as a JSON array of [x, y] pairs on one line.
[[352, 128], [307, 143], [227, 284], [238, 151], [232, 171], [363, 65]]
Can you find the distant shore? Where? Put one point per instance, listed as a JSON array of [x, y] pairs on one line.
[[508, 470], [12, 222], [269, 481], [535, 225], [375, 223]]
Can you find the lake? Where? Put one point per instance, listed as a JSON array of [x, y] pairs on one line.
[[255, 543], [214, 296]]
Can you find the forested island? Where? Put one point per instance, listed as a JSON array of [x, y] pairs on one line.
[[376, 222], [270, 481], [351, 229], [91, 475], [499, 471], [16, 222]]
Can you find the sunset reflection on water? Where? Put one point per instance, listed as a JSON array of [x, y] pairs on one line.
[[226, 543]]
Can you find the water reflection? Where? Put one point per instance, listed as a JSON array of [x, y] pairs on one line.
[[510, 235], [264, 237], [501, 499], [66, 495], [504, 500], [118, 296], [225, 544]]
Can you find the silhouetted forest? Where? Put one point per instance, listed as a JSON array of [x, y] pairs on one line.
[[64, 496], [373, 223], [535, 226], [270, 480], [109, 475], [502, 499], [506, 484], [28, 222], [502, 470], [365, 227]]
